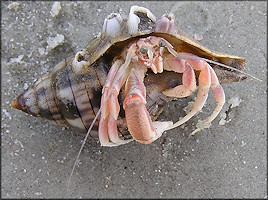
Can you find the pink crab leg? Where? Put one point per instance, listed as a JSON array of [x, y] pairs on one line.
[[138, 120], [219, 95], [188, 78], [207, 79], [108, 134], [215, 87], [202, 94], [106, 120]]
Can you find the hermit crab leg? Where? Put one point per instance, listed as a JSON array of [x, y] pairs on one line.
[[204, 84], [188, 78], [220, 99], [110, 110], [207, 79], [108, 134]]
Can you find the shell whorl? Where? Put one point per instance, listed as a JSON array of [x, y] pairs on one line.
[[64, 97]]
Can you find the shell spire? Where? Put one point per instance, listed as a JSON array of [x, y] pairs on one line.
[[27, 102]]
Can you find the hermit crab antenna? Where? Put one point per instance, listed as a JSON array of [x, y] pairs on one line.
[[172, 51], [119, 73], [229, 67], [84, 142], [85, 139]]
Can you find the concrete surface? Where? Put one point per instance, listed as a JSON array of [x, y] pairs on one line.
[[224, 161]]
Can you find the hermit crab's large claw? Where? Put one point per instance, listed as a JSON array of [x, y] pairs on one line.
[[138, 120]]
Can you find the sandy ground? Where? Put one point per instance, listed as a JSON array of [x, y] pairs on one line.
[[224, 161]]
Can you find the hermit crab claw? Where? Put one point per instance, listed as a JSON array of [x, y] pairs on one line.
[[138, 120]]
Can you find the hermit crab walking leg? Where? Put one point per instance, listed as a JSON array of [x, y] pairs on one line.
[[207, 79], [108, 134], [220, 99], [110, 110], [188, 78]]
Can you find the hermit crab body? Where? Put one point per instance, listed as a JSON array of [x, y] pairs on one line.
[[128, 73]]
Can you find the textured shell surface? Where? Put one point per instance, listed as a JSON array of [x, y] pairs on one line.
[[37, 157]]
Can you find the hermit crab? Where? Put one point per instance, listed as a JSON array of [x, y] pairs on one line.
[[127, 74]]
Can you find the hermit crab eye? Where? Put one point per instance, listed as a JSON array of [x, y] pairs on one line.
[[143, 50], [162, 43]]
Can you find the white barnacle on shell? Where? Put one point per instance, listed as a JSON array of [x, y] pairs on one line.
[[166, 24], [111, 25], [78, 63], [134, 20]]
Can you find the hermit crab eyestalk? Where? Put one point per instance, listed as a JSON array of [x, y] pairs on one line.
[[162, 43], [143, 50]]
